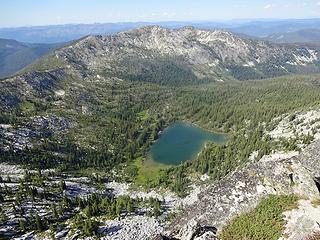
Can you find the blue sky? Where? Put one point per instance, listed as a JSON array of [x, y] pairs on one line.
[[46, 12]]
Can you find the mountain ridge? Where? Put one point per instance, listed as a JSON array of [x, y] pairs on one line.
[[209, 54]]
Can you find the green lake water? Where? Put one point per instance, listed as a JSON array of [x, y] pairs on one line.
[[181, 142]]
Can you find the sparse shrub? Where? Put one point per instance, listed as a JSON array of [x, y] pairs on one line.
[[264, 222]]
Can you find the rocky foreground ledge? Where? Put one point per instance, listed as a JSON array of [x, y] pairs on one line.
[[279, 173]]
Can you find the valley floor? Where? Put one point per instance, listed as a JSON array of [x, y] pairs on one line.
[[207, 204]]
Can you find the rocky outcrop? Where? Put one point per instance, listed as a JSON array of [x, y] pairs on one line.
[[310, 159], [30, 86], [27, 135], [279, 173], [193, 231], [303, 221]]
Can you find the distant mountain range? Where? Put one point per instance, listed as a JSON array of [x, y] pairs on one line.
[[15, 55], [301, 36], [265, 28], [64, 33]]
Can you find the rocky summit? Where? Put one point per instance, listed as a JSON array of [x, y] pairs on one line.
[[207, 55]]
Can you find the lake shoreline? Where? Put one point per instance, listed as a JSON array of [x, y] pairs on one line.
[[205, 129], [182, 141]]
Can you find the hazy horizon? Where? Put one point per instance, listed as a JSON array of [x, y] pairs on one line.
[[227, 21], [24, 13]]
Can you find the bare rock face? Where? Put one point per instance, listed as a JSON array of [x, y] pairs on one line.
[[279, 173], [24, 136], [193, 231], [310, 158], [302, 222]]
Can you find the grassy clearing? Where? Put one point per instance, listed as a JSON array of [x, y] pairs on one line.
[[264, 222], [148, 173], [27, 107]]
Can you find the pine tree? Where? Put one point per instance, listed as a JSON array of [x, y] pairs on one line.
[[129, 206], [62, 186], [118, 208], [156, 208], [22, 225], [52, 231], [90, 227], [39, 223], [54, 211], [3, 217]]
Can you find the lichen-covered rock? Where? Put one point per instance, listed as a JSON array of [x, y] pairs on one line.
[[310, 158], [302, 221]]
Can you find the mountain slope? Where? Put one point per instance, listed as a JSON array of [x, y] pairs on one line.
[[105, 72], [163, 56], [14, 55], [149, 52]]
